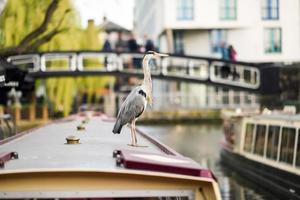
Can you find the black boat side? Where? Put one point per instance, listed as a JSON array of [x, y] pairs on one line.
[[275, 181]]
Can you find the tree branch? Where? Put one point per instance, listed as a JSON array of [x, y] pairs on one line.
[[46, 38], [28, 43], [42, 28]]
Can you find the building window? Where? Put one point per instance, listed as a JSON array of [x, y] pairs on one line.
[[272, 143], [227, 9], [272, 40], [260, 140], [270, 9], [185, 9], [287, 145], [217, 38], [178, 42], [248, 137]]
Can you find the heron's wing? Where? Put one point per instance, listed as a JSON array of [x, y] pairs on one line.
[[132, 107]]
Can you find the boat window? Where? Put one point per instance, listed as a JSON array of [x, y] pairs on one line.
[[272, 143], [298, 150], [248, 137], [260, 139], [287, 145]]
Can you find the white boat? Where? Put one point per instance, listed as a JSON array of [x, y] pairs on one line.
[[265, 148]]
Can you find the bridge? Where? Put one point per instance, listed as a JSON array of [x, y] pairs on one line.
[[203, 70]]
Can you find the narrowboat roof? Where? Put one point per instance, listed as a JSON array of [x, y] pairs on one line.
[[45, 148], [278, 116]]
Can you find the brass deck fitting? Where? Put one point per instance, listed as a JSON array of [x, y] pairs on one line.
[[72, 139], [80, 127]]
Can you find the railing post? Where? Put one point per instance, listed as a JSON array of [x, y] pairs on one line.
[[190, 68], [73, 62], [45, 113], [1, 110], [32, 116], [109, 106], [119, 62], [164, 66], [79, 62], [17, 113], [43, 63], [37, 64], [242, 99]]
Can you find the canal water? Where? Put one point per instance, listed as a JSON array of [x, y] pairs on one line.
[[201, 143]]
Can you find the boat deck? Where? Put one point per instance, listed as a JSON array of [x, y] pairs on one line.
[[101, 165], [47, 148]]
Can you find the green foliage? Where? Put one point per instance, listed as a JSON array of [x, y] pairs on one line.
[[20, 17], [16, 22]]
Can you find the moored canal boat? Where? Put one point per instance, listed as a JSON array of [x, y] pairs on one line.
[[265, 149], [62, 161]]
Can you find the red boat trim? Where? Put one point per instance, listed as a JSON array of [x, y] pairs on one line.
[[167, 150], [4, 157], [161, 163]]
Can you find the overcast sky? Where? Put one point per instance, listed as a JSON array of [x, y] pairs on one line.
[[118, 11]]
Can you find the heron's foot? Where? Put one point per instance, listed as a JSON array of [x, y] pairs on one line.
[[133, 145], [136, 145]]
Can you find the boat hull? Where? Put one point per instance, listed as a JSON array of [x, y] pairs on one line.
[[275, 181]]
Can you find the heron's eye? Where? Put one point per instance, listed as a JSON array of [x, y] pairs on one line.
[[141, 92]]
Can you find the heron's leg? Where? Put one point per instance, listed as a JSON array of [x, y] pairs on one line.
[[134, 129], [132, 134]]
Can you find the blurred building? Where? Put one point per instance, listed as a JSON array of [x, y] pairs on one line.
[[113, 32], [260, 30]]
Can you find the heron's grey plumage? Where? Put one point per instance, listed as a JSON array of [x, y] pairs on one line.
[[132, 107], [136, 102]]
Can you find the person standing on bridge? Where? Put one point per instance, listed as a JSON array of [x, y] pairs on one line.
[[232, 56], [225, 69], [133, 47], [224, 51], [232, 53], [149, 45], [120, 45], [106, 48]]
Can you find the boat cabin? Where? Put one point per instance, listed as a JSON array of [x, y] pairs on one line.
[[272, 139], [80, 158]]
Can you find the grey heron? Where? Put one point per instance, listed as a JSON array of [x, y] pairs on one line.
[[137, 100]]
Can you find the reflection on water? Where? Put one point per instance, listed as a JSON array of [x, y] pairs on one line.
[[201, 143]]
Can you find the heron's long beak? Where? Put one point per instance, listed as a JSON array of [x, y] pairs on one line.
[[157, 55]]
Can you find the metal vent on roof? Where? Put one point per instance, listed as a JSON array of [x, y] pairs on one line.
[[72, 140], [80, 127], [85, 121]]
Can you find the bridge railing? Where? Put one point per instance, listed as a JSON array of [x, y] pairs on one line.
[[65, 61], [109, 60], [32, 61], [201, 69]]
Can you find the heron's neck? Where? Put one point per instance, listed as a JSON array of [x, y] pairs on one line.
[[147, 83], [146, 70]]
